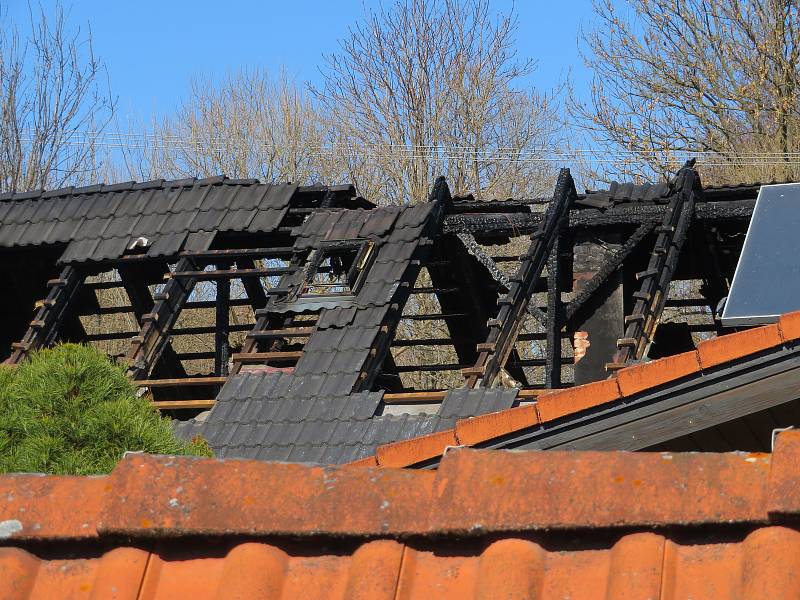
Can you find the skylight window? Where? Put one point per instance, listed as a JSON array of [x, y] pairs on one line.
[[338, 268]]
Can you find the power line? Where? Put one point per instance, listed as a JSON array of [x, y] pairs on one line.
[[442, 153]]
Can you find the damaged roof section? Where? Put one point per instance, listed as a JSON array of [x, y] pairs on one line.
[[100, 222], [486, 524], [725, 377], [317, 326]]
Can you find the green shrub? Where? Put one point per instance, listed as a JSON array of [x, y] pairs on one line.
[[70, 410]]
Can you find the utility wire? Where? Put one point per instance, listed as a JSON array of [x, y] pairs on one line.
[[218, 145]]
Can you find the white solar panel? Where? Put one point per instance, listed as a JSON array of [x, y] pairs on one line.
[[767, 279]]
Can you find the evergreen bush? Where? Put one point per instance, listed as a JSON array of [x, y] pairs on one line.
[[69, 410]]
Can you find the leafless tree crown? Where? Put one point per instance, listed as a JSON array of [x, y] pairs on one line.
[[427, 88], [249, 125], [713, 76], [51, 86]]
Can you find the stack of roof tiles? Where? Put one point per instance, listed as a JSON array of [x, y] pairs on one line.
[[486, 524]]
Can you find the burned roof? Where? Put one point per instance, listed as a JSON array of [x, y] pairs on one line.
[[283, 416], [303, 323], [485, 524], [100, 222]]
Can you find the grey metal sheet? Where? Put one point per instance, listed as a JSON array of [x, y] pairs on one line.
[[766, 283]]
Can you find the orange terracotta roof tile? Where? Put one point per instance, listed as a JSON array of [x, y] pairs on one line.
[[496, 495], [789, 324], [730, 347], [38, 507], [253, 497], [415, 450], [761, 564], [784, 475], [486, 524], [638, 378], [367, 461], [485, 427], [559, 403]]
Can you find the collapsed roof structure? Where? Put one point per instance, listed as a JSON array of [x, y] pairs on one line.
[[306, 324]]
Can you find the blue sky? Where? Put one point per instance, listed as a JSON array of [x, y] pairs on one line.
[[152, 48]]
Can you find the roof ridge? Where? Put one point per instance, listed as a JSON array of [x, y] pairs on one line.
[[557, 404], [473, 492], [124, 186]]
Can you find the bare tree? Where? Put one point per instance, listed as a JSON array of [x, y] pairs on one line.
[[250, 125], [431, 87], [51, 91], [719, 77]]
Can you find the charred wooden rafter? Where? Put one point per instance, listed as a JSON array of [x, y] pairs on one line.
[[552, 371], [500, 224], [655, 280], [147, 347], [43, 331], [489, 262], [473, 273], [273, 327], [222, 349], [503, 330], [440, 195], [142, 303], [599, 278]]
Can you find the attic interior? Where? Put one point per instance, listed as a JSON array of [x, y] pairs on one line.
[[529, 293]]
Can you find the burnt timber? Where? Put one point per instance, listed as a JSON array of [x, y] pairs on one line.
[[352, 324]]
